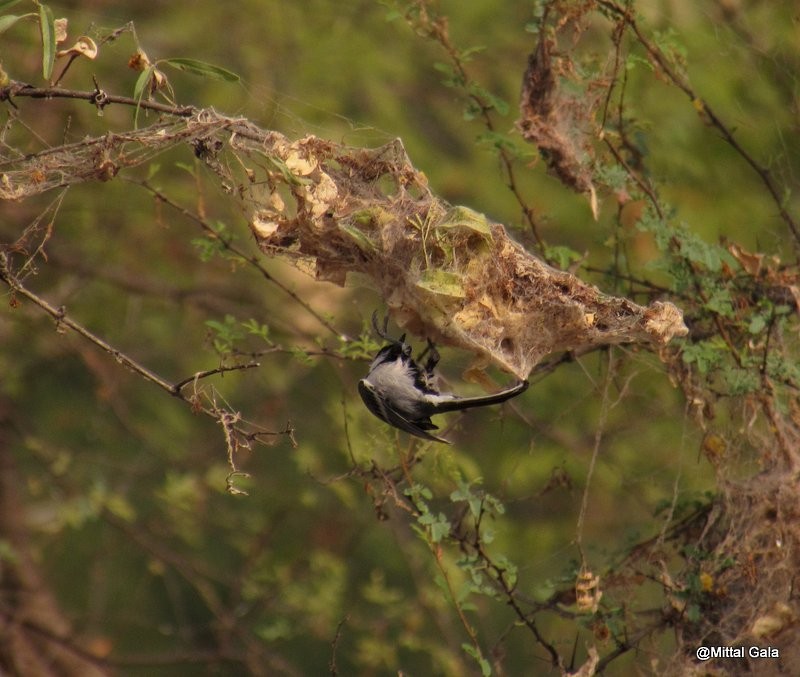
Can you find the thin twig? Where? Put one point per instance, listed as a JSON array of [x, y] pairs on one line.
[[210, 372], [439, 32], [175, 389], [598, 438], [63, 320]]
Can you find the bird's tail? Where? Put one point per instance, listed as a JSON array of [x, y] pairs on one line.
[[460, 403]]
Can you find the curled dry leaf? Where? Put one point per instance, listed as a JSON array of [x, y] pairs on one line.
[[139, 61], [158, 80], [299, 164], [84, 46], [262, 225]]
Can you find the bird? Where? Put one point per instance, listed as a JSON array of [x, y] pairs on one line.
[[404, 394]]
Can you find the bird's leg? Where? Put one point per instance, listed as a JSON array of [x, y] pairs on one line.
[[381, 332], [433, 358]]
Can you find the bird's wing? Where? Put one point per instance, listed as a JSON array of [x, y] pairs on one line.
[[384, 411]]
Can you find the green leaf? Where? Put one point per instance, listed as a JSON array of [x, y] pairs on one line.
[[442, 283], [301, 355], [152, 169], [464, 217], [720, 302], [141, 85], [634, 60], [466, 54], [361, 240], [438, 525], [207, 248], [757, 324], [452, 77], [256, 328], [503, 142], [706, 355], [560, 256], [465, 493], [48, 31], [488, 99], [201, 68], [740, 381], [486, 669], [9, 20], [440, 528]]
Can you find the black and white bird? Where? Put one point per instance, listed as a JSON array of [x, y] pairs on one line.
[[403, 394]]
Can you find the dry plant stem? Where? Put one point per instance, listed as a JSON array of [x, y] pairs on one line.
[[511, 599], [62, 320], [598, 438]]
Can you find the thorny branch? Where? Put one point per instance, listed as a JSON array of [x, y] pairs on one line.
[[98, 97]]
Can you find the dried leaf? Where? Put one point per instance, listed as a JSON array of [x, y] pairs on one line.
[[60, 29], [139, 61], [84, 46], [262, 225], [299, 164]]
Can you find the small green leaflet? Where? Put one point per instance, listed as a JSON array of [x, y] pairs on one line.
[[464, 217], [141, 83], [443, 283], [202, 69], [48, 30], [9, 20]]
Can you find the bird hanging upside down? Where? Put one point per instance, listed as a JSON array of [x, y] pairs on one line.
[[403, 394]]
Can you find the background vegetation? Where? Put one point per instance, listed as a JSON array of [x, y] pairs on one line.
[[626, 509]]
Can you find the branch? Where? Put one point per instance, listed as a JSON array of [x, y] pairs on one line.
[[98, 97], [175, 389], [436, 28], [62, 320], [210, 372]]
